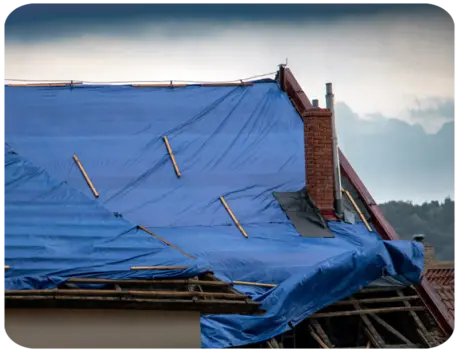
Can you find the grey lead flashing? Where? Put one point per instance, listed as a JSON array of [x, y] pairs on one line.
[[303, 214]]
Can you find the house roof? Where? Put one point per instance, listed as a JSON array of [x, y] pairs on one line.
[[441, 276], [233, 146], [63, 250]]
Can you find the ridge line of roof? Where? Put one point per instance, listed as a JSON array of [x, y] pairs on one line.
[[175, 84], [251, 79]]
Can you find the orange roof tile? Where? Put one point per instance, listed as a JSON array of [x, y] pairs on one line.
[[441, 277]]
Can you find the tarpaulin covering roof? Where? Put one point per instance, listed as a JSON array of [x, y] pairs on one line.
[[239, 142], [54, 231]]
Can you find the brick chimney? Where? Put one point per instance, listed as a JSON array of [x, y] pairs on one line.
[[318, 144], [429, 255]]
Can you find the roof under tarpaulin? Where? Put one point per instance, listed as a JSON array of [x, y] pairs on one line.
[[241, 143]]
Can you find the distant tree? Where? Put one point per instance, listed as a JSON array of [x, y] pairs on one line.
[[433, 219]]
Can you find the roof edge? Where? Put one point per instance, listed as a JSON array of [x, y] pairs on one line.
[[425, 290], [441, 265]]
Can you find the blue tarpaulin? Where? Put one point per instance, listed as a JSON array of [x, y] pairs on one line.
[[54, 231], [242, 143]]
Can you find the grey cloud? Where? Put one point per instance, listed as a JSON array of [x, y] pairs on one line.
[[433, 108], [396, 160]]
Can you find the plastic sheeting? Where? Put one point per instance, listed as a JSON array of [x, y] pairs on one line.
[[54, 232], [242, 143]]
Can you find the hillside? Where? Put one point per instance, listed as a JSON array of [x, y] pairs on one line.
[[434, 219]]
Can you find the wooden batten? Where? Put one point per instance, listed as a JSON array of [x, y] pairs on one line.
[[85, 175], [367, 311], [259, 284], [88, 292], [375, 300], [147, 282], [356, 207], [236, 222], [50, 84], [172, 156]]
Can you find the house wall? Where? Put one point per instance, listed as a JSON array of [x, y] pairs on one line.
[[91, 328]]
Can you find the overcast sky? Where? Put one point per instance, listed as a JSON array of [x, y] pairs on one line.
[[392, 67]]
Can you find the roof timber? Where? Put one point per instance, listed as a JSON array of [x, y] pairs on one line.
[[382, 322], [205, 294]]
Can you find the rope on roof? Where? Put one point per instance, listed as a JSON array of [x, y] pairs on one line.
[[134, 81]]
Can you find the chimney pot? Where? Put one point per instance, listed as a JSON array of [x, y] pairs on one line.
[[329, 88]]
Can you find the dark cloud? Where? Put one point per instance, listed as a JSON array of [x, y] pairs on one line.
[[396, 160], [45, 21]]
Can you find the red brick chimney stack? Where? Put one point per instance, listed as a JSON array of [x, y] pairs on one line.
[[318, 145]]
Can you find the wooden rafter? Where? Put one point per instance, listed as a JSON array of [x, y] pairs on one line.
[[317, 338], [391, 329], [421, 330], [370, 330], [321, 332]]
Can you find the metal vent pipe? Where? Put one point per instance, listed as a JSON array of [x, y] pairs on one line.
[[330, 101]]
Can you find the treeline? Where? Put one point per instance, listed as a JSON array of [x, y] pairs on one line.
[[434, 219]]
